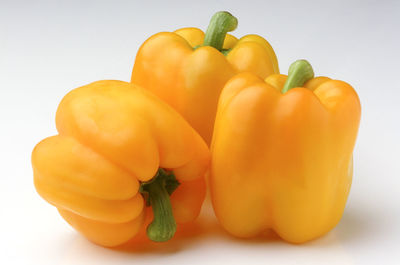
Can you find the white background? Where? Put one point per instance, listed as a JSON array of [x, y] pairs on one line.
[[49, 48]]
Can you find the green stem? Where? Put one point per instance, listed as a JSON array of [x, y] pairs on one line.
[[299, 72], [221, 23], [156, 193]]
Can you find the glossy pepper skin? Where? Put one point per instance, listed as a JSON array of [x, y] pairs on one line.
[[112, 138], [188, 69], [283, 161]]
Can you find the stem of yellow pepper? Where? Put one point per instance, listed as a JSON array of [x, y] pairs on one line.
[[221, 23], [156, 193], [299, 72]]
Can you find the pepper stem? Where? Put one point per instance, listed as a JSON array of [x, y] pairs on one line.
[[221, 23], [299, 72], [156, 193]]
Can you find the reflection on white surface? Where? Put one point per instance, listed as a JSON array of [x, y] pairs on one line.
[[213, 246]]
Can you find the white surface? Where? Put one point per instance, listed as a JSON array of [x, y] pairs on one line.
[[48, 48]]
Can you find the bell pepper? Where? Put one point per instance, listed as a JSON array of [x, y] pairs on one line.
[[119, 149], [281, 155], [187, 68]]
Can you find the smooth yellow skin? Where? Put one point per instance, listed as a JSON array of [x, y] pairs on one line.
[[191, 80], [112, 135], [283, 161]]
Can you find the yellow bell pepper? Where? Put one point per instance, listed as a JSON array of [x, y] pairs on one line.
[[282, 154], [187, 68], [119, 147]]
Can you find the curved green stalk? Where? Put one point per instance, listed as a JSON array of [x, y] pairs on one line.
[[299, 72], [221, 23], [156, 193]]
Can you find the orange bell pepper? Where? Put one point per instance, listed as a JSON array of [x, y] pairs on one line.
[[119, 146], [187, 68], [282, 154]]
